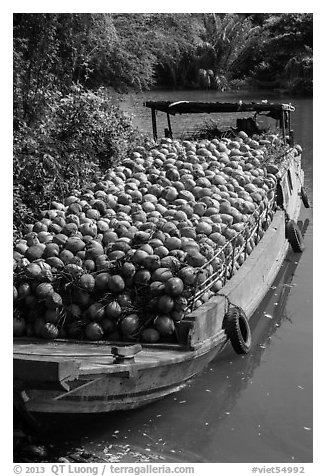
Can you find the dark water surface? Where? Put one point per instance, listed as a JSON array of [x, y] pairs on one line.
[[241, 409]]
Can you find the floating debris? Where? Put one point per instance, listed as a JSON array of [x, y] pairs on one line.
[[268, 315], [263, 346], [307, 428], [158, 416], [183, 401], [227, 413], [208, 390], [299, 386]]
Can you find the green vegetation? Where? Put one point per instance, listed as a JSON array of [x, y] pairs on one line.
[[66, 128], [286, 55]]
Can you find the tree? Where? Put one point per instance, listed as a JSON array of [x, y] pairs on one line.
[[51, 51], [153, 47], [287, 49]]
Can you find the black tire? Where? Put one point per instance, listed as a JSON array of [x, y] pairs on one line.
[[237, 330], [294, 236], [305, 198]]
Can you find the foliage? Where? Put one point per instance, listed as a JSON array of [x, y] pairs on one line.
[[51, 51], [231, 40], [81, 135], [286, 54], [139, 51], [177, 37], [153, 47], [298, 72], [228, 50], [113, 50]]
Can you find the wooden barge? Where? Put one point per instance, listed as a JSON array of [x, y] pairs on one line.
[[74, 377]]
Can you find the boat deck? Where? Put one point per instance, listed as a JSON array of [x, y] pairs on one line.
[[99, 357]]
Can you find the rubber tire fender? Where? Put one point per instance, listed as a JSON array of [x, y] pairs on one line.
[[294, 236], [237, 330], [305, 198]]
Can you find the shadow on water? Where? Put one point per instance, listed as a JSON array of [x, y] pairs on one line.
[[181, 424]]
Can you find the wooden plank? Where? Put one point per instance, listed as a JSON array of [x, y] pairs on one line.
[[251, 283], [67, 348], [247, 287], [206, 320], [32, 369], [116, 392], [126, 351]]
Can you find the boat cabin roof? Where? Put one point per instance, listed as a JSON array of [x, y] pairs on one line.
[[192, 107], [278, 111]]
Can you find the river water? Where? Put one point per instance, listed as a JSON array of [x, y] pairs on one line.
[[241, 409]]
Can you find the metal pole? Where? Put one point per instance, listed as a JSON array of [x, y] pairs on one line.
[[291, 133], [169, 124], [283, 127], [154, 123]]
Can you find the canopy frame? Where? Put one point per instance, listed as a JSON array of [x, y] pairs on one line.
[[277, 111]]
